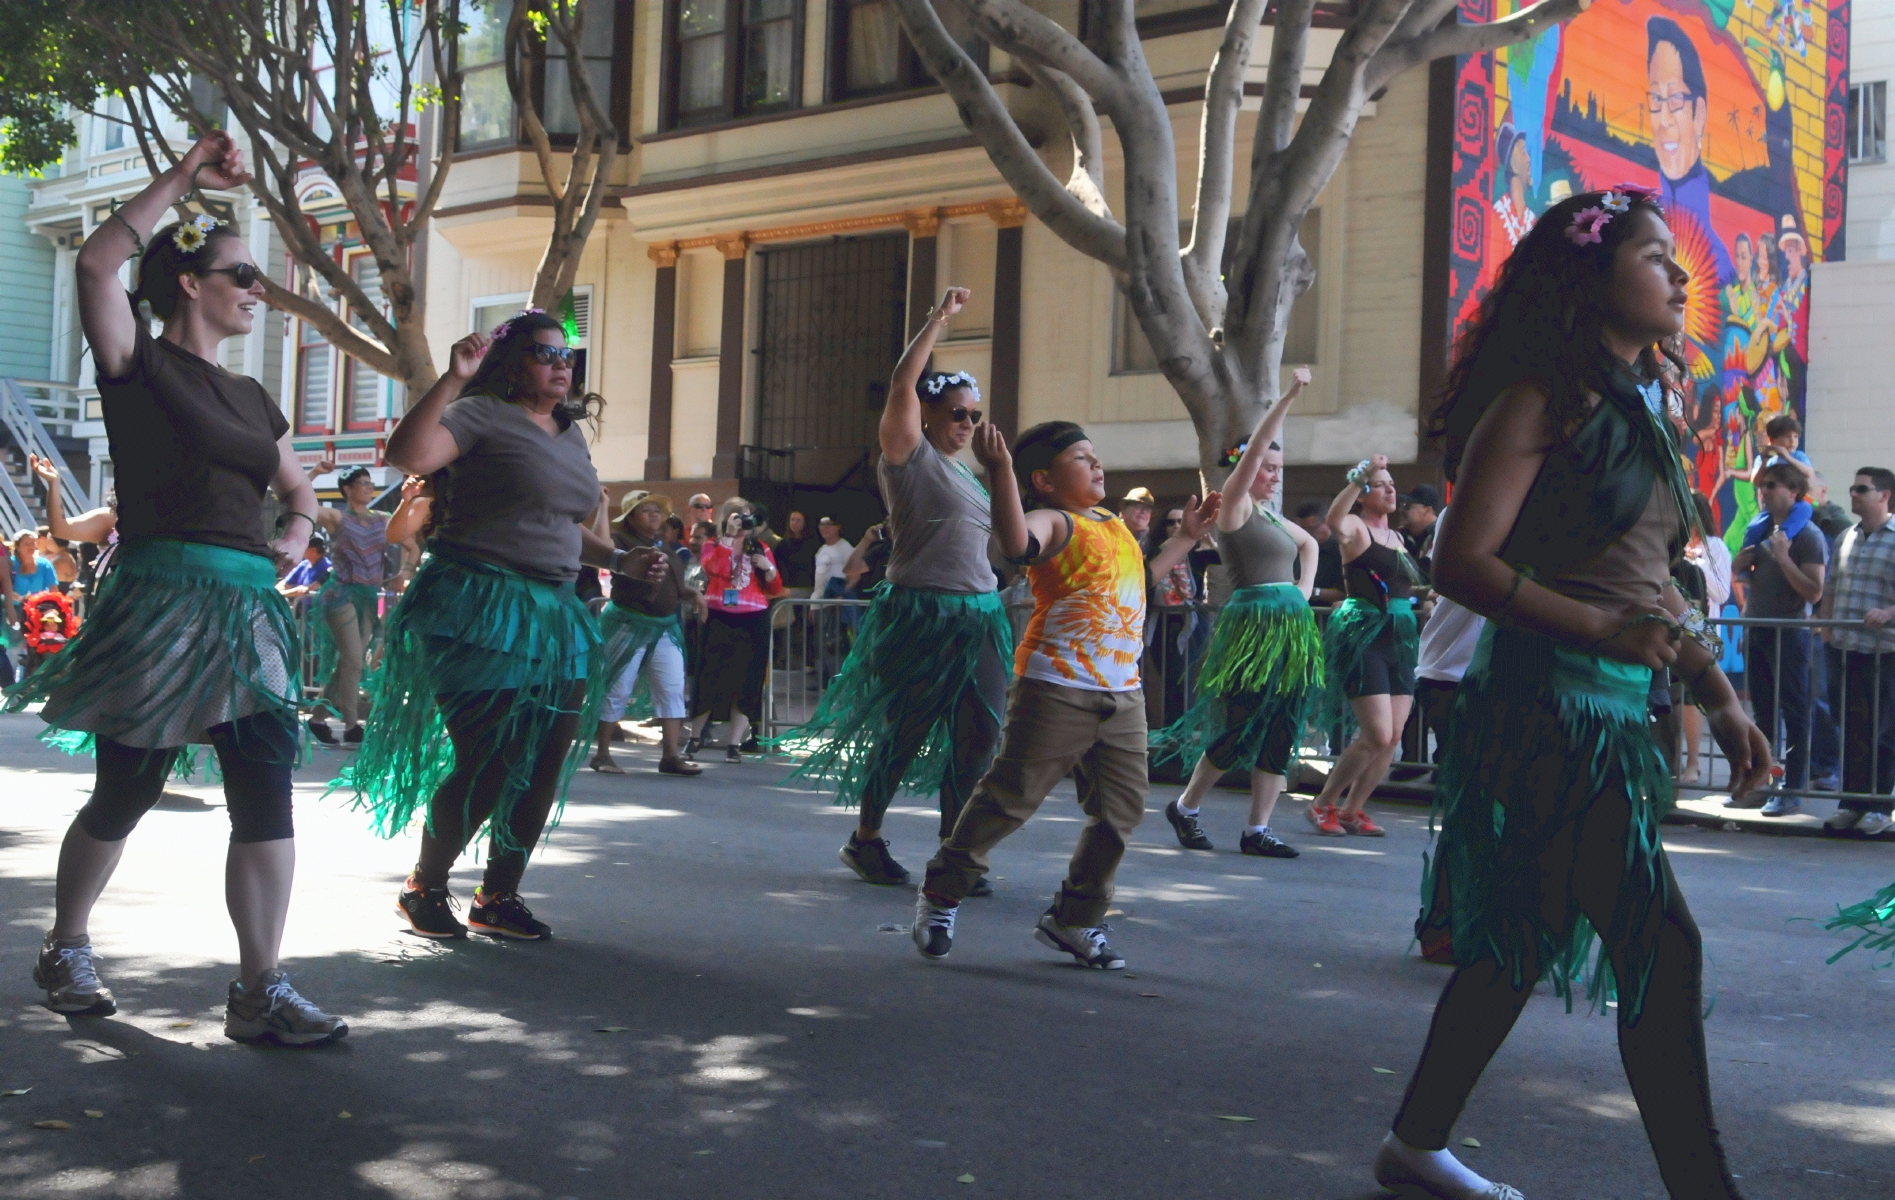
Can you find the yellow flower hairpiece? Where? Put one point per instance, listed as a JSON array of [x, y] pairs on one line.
[[192, 234]]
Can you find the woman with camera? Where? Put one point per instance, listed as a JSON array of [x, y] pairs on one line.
[[740, 578]]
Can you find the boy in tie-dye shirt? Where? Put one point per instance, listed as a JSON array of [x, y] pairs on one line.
[[1076, 705]]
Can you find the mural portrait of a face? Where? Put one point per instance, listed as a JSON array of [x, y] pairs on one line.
[[1674, 78]]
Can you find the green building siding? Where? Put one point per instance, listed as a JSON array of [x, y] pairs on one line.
[[26, 287]]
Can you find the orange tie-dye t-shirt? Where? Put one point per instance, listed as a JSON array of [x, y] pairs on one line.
[[1088, 624]]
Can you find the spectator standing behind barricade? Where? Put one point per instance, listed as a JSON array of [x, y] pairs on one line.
[[796, 555], [674, 537], [740, 578], [1313, 517], [1861, 667], [351, 600], [1420, 509], [1713, 558], [1447, 646], [1785, 574], [828, 577], [1136, 511], [308, 575], [643, 634], [32, 572]]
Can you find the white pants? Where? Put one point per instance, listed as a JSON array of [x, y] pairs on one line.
[[664, 675]]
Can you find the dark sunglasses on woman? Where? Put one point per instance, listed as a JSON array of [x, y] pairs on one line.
[[550, 356], [244, 275], [970, 416]]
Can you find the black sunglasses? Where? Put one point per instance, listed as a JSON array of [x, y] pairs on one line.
[[1862, 489], [970, 416], [548, 356], [244, 275]]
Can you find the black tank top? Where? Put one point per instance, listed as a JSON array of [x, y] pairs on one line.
[[1379, 573]]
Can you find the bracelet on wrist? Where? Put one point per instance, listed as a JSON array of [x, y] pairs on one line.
[[282, 522]]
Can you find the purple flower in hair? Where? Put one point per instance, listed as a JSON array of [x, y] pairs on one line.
[[1586, 226], [500, 330]]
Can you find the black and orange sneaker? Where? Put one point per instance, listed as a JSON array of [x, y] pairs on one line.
[[429, 911], [504, 914]]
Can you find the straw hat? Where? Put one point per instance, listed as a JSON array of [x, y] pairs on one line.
[[634, 498], [1140, 495]]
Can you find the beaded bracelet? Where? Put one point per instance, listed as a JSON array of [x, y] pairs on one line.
[[1673, 630], [1359, 474]]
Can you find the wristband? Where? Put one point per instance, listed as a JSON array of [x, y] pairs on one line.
[[1358, 475], [292, 513], [618, 557]]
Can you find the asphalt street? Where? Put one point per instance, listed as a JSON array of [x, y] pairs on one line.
[[727, 1012]]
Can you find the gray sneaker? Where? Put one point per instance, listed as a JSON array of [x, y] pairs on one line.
[[71, 980], [1874, 824], [273, 1012], [1842, 819], [933, 929], [1782, 806], [1086, 945]]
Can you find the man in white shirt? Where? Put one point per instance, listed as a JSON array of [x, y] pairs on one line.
[[831, 556]]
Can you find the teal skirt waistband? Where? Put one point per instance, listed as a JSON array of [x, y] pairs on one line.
[[157, 556]]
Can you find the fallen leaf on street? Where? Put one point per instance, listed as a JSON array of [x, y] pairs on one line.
[[1381, 1070], [1316, 964], [94, 1113], [1128, 976], [704, 1152], [16, 1092], [180, 1025], [964, 1179], [52, 1124], [256, 1158], [613, 1029], [1471, 1143], [343, 1116], [1251, 1120], [891, 927]]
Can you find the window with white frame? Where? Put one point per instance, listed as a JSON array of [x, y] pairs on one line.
[[366, 386], [486, 101], [314, 399], [1867, 131], [557, 113]]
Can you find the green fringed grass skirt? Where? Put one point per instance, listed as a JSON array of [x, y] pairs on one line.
[[1873, 923], [1265, 660], [915, 654], [1353, 627], [504, 651], [626, 634], [1538, 733], [182, 637]]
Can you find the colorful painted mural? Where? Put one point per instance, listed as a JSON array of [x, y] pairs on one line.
[[1734, 110]]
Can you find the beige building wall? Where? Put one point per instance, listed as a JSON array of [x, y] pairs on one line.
[[1851, 361]]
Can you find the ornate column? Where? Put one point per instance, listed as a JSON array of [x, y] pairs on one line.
[[924, 229], [664, 341], [1003, 397], [735, 248]]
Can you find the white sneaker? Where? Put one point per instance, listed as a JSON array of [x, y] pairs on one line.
[[1842, 819], [933, 929], [71, 978], [1874, 824], [273, 1011]]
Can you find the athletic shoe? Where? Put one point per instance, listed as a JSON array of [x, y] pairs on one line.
[[1842, 820], [1874, 824], [982, 887], [933, 929], [504, 914], [324, 734], [352, 736], [1782, 806], [272, 1011], [1828, 783], [1191, 835], [70, 976], [1359, 824], [1265, 845], [733, 755], [751, 745], [1396, 1171], [429, 911], [1085, 944], [872, 861], [1324, 818]]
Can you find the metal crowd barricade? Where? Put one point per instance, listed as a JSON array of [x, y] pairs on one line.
[[809, 640]]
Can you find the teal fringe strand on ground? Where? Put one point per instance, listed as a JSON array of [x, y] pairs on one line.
[[1873, 921], [482, 635], [625, 635], [181, 637], [1353, 625], [1532, 715], [914, 655], [1265, 661]]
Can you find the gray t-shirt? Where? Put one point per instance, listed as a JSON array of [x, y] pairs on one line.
[[940, 522], [516, 494], [1770, 593]]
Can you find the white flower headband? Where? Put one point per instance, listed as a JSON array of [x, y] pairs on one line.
[[191, 234], [941, 383]]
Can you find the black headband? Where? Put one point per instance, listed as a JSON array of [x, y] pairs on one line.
[[1039, 455]]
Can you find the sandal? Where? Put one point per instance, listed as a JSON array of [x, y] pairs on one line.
[[678, 766], [606, 766]]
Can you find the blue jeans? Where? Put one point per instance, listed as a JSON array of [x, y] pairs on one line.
[[1778, 675]]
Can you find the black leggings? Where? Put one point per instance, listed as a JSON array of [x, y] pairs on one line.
[[256, 755], [468, 796], [976, 738], [1663, 1052]]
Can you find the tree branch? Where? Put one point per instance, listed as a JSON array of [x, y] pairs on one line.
[[1026, 33], [1217, 151], [1082, 123], [1012, 155], [1399, 56]]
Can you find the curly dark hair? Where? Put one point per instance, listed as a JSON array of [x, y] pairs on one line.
[[499, 372], [163, 262], [1543, 321]]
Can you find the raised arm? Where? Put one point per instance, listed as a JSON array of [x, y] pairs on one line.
[[94, 526], [108, 320], [1197, 519], [990, 447], [421, 445], [901, 417], [1236, 509], [410, 515]]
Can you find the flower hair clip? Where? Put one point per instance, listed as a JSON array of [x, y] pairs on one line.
[[941, 383], [1588, 224], [192, 234], [500, 330]]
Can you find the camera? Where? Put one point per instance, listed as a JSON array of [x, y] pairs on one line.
[[748, 523]]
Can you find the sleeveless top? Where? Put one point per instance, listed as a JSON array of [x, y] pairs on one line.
[[1633, 569], [1088, 625], [939, 522], [1379, 573], [358, 549], [1259, 551]]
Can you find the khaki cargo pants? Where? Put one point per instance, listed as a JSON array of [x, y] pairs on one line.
[[1051, 730]]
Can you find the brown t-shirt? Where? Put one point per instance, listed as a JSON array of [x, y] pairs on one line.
[[193, 447], [1634, 569], [633, 590]]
